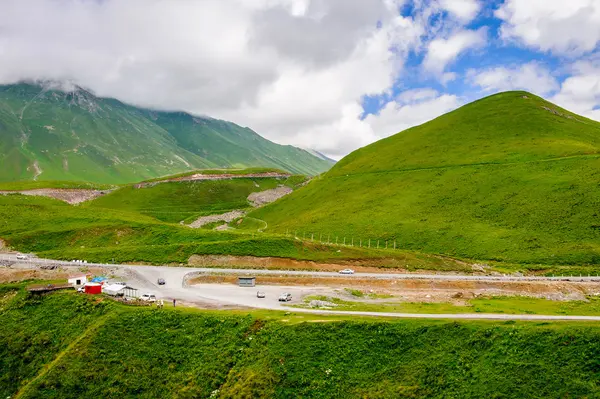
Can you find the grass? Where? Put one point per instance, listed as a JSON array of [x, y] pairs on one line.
[[499, 304], [187, 200], [502, 179], [57, 230], [32, 185], [229, 171], [35, 329], [142, 352]]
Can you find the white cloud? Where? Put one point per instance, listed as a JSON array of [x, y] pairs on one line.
[[580, 92], [531, 77], [464, 10], [293, 70], [561, 26], [412, 108], [442, 52]]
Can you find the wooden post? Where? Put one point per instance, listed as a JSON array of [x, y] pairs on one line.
[[394, 244], [335, 240], [369, 243], [312, 237], [344, 240], [352, 241], [377, 244]]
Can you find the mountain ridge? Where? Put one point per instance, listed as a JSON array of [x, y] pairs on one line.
[[50, 134]]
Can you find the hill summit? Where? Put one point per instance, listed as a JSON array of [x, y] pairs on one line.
[[52, 132], [510, 177]]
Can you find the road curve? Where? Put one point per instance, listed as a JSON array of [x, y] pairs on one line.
[[146, 277]]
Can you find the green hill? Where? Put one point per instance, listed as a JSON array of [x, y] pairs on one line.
[[66, 345], [48, 134], [187, 200], [510, 177]]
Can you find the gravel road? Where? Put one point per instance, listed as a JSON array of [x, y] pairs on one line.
[[145, 278]]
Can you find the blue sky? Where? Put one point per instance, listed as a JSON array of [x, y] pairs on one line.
[[330, 75]]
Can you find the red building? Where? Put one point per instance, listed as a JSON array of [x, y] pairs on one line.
[[93, 288]]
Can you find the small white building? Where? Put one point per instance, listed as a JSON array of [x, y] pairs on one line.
[[78, 280], [115, 289]]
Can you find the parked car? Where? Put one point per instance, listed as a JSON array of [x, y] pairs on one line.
[[346, 271], [148, 298], [21, 256], [285, 297], [260, 294], [161, 281]]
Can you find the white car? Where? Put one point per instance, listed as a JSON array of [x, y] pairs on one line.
[[346, 271], [285, 297], [21, 257], [148, 298]]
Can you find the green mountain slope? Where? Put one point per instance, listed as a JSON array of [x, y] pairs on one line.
[[510, 177], [47, 134]]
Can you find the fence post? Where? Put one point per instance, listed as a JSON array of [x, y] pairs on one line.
[[312, 237], [361, 242], [303, 235], [335, 240], [344, 240], [369, 243], [377, 244], [321, 238], [386, 245], [296, 234], [352, 241], [394, 244], [327, 238]]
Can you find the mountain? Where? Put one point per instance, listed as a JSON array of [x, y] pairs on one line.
[[510, 177], [51, 134]]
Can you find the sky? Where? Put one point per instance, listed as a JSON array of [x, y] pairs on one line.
[[328, 75]]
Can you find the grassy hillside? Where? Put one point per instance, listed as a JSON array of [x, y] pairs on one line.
[[147, 353], [57, 230], [187, 200], [510, 178], [47, 134]]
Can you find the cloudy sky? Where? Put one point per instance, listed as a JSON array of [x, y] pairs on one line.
[[332, 75]]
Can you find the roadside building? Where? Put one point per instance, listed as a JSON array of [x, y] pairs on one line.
[[93, 288], [246, 281], [114, 289], [77, 280]]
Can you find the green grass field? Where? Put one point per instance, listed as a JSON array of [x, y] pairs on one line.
[[499, 304], [187, 200], [502, 179], [112, 350]]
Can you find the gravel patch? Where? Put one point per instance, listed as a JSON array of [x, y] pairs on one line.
[[266, 197], [70, 196], [224, 217]]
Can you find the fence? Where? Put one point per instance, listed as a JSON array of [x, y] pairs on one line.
[[351, 241]]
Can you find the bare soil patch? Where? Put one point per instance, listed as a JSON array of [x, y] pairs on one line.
[[13, 275], [271, 263], [223, 176], [69, 195]]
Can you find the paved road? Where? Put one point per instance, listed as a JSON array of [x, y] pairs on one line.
[[145, 278]]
